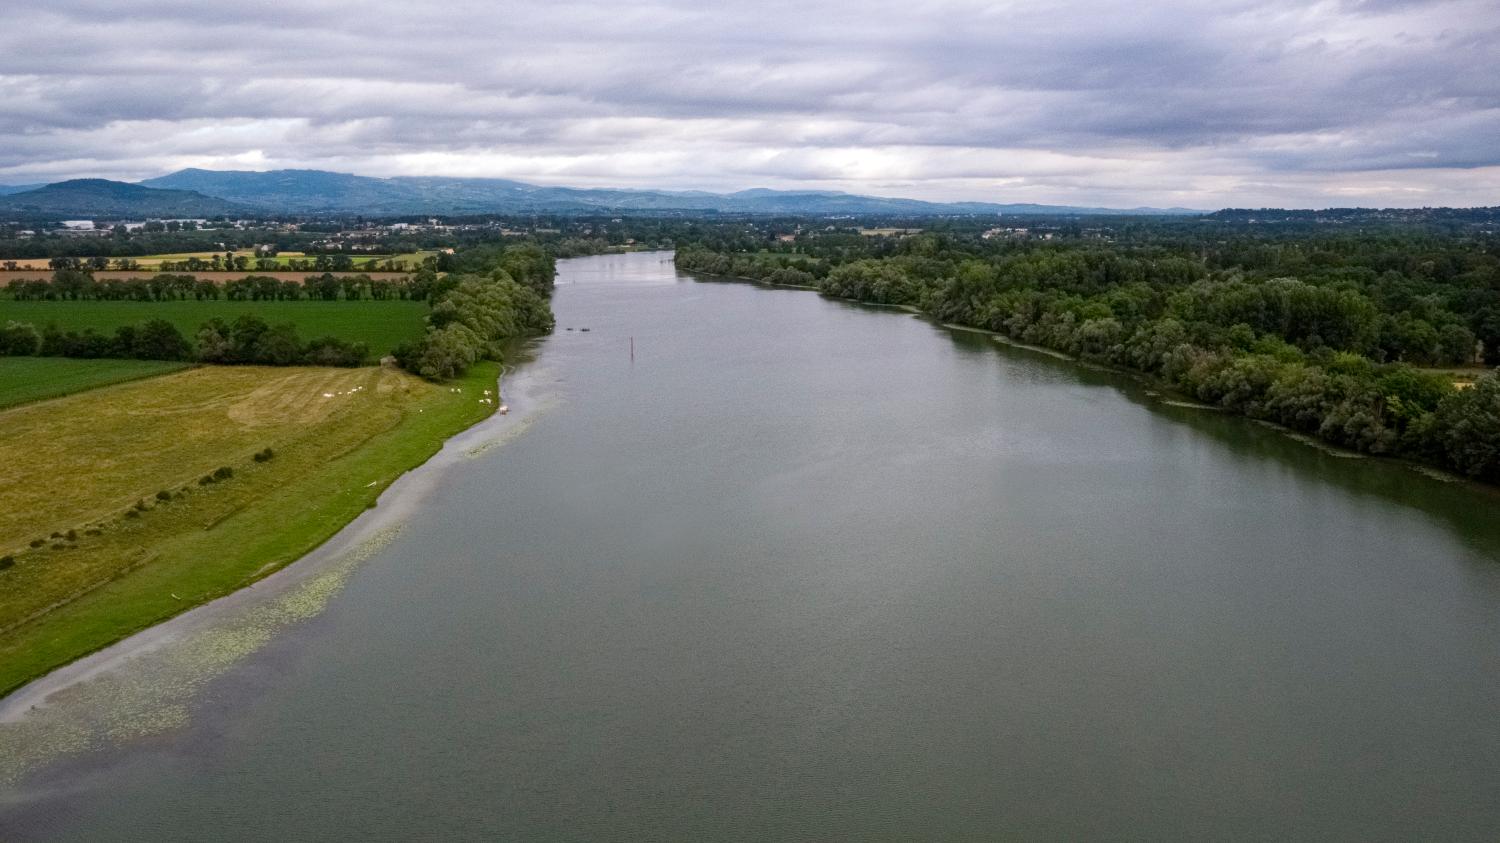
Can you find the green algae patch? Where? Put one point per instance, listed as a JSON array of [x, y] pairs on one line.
[[154, 694]]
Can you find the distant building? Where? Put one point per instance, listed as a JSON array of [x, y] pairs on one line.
[[1017, 233], [78, 225]]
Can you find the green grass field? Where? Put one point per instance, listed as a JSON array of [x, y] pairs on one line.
[[100, 555], [382, 325], [27, 379]]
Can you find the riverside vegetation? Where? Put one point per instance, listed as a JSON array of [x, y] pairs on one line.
[[1369, 342], [128, 503]]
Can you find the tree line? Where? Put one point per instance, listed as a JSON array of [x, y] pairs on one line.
[[81, 285], [1337, 353], [246, 340]]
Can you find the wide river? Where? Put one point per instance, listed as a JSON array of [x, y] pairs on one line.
[[802, 569]]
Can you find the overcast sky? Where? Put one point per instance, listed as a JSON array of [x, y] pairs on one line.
[[1201, 104]]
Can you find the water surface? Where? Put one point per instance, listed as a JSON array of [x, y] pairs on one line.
[[808, 570]]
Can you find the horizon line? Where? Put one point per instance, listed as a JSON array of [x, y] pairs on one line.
[[675, 191]]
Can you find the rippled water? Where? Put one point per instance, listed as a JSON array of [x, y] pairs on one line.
[[804, 569]]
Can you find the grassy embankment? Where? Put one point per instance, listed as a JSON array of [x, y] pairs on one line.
[[82, 476], [382, 325], [27, 379]]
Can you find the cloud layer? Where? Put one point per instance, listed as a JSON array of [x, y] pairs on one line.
[[1389, 102]]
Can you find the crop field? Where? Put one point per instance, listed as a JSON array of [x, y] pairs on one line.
[[218, 277], [27, 379], [382, 325], [112, 526], [153, 262], [413, 259]]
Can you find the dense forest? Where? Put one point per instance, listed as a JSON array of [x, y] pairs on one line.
[[1374, 341], [471, 321]]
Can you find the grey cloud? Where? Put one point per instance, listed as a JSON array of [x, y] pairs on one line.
[[1010, 101]]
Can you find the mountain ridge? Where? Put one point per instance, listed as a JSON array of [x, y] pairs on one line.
[[203, 193], [88, 198], [323, 191]]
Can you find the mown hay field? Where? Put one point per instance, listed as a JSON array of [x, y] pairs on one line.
[[27, 379], [382, 325], [111, 529]]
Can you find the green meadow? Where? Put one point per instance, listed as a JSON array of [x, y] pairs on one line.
[[27, 379]]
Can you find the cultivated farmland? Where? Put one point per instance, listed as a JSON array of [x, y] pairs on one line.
[[411, 261], [218, 277]]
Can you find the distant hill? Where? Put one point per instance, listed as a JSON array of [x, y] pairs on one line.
[[7, 189], [314, 191], [91, 198], [296, 191], [1349, 216]]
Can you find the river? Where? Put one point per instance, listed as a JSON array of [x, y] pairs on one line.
[[803, 569]]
